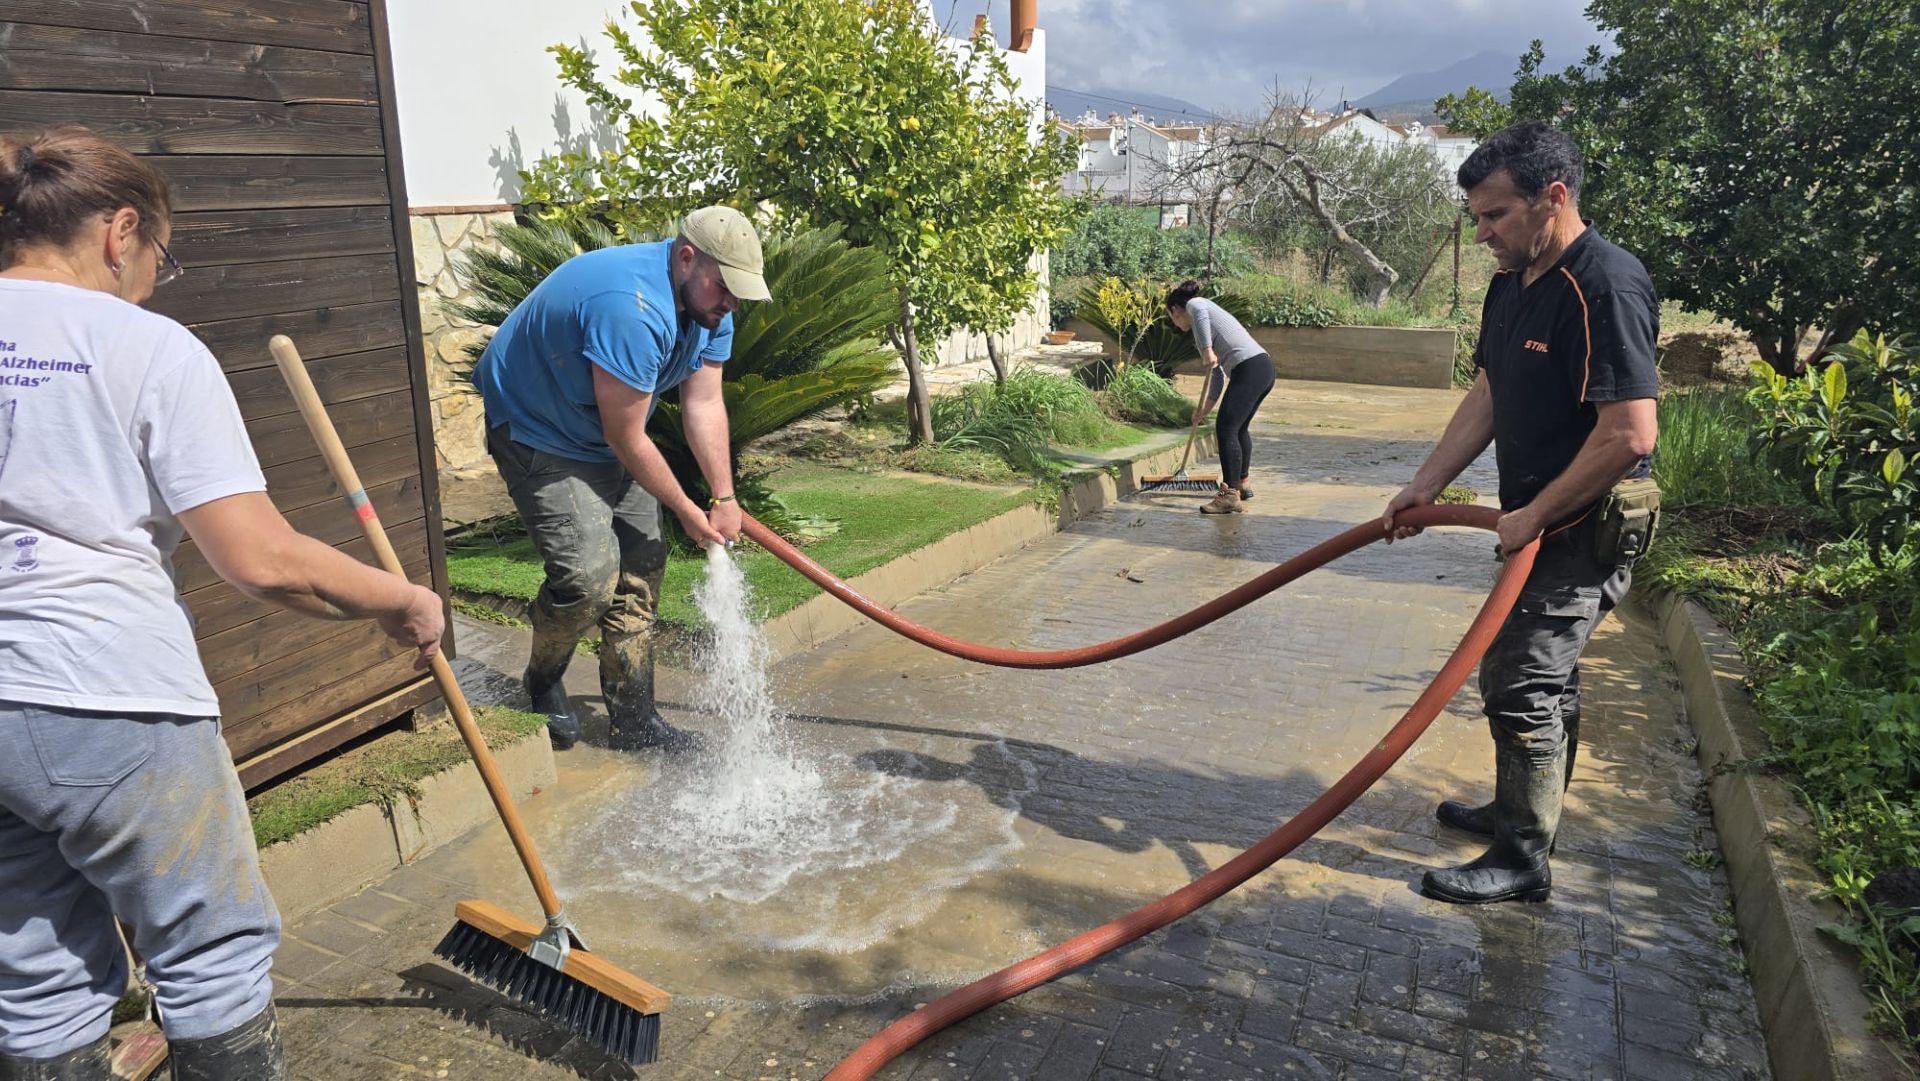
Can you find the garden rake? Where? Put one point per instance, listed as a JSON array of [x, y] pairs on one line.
[[1179, 480], [545, 967]]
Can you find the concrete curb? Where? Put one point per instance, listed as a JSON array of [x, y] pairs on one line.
[[823, 617], [1807, 984], [339, 857]]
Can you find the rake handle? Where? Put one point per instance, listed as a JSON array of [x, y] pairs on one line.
[[314, 412]]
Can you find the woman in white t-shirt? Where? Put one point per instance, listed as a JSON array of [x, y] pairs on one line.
[[119, 433]]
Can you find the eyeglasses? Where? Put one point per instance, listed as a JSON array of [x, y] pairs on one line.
[[166, 268]]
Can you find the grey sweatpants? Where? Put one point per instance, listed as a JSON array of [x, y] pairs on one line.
[[139, 817]]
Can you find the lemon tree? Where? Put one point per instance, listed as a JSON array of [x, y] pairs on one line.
[[857, 112]]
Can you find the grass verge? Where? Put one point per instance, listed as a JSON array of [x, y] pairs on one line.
[[882, 517], [1831, 636], [384, 770]]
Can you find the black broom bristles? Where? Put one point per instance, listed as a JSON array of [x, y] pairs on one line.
[[1181, 484], [593, 1015]]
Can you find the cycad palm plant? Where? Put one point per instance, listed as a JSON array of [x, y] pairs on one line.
[[502, 279]]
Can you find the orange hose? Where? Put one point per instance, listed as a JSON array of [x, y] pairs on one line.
[[1025, 975]]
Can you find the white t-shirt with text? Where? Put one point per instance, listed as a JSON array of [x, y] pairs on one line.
[[113, 420]]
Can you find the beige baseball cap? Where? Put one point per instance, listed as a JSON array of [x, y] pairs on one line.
[[727, 235]]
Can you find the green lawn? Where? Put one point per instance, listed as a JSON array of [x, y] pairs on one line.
[[1121, 434], [881, 517]]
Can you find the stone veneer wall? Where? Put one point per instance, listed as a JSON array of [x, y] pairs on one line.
[[459, 428]]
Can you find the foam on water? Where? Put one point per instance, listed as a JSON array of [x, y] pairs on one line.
[[784, 844]]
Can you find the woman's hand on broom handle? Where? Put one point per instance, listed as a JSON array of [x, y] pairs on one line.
[[419, 626]]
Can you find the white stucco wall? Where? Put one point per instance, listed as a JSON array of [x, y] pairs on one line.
[[479, 95]]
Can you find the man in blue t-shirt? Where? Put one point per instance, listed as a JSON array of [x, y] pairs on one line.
[[569, 382], [1566, 394]]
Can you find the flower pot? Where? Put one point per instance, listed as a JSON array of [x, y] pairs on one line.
[[1059, 337]]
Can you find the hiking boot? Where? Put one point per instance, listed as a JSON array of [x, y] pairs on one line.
[[1246, 493], [89, 1063], [250, 1052], [626, 678], [1527, 793], [1225, 501]]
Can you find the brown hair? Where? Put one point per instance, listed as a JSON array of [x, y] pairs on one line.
[[52, 181], [1178, 296]]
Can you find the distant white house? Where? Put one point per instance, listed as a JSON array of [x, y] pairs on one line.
[[1130, 159], [1449, 150], [1361, 127]]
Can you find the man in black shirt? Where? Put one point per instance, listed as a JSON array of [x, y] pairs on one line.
[[1565, 392]]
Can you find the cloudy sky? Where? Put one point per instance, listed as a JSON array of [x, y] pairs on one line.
[[1226, 54]]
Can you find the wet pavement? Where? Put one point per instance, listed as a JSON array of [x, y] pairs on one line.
[[985, 814]]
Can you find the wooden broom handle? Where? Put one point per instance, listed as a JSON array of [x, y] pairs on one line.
[[294, 370], [1193, 429]]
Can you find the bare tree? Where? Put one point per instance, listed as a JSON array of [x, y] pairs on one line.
[[1296, 161]]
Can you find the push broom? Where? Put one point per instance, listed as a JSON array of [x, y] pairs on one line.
[[1179, 480], [545, 967]]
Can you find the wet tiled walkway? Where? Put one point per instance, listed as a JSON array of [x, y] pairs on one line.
[[1095, 790]]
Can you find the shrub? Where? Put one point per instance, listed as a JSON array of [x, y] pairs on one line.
[[1127, 242], [1067, 411], [1129, 308], [1136, 394], [1022, 419], [1182, 253], [1109, 240], [1849, 434], [1273, 302], [1704, 459], [1064, 297]]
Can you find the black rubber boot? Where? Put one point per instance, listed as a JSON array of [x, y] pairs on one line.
[[1527, 795], [554, 638], [1479, 820], [626, 678], [89, 1063], [250, 1052]]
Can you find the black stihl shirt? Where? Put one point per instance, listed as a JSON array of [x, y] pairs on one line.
[[1583, 332]]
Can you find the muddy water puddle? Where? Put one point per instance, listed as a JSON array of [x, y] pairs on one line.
[[789, 861], [921, 881]]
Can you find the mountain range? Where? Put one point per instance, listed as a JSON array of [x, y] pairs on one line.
[[1412, 96], [1157, 108]]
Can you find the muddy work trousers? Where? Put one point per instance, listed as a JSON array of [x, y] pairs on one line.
[[598, 532], [139, 817], [1530, 676]]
